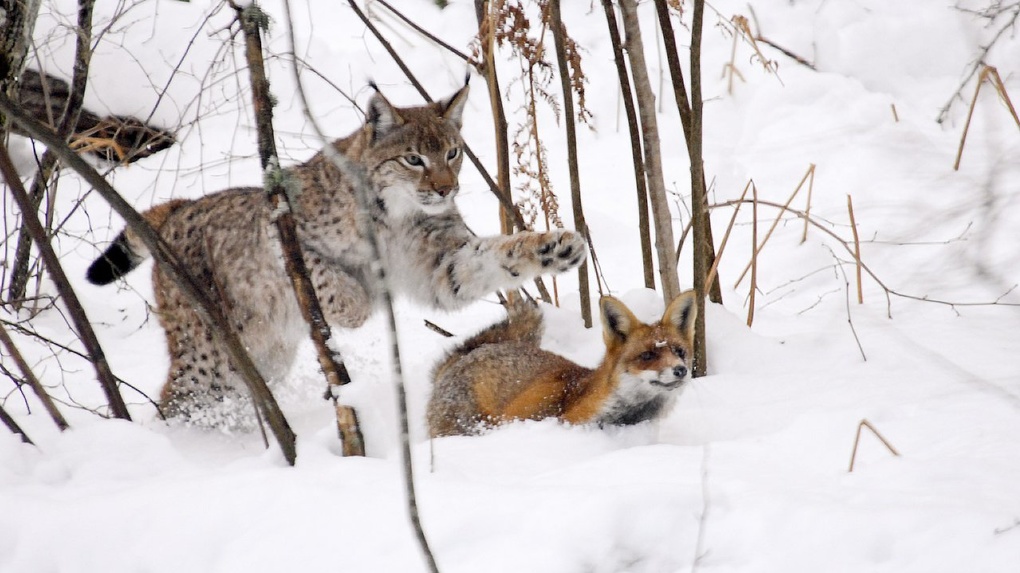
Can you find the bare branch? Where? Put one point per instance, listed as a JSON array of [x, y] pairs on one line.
[[81, 322], [275, 183], [33, 382], [207, 310], [13, 426]]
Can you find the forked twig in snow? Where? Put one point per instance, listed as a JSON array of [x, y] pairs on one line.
[[807, 206], [991, 75], [857, 439], [359, 182]]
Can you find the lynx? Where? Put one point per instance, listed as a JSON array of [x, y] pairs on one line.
[[412, 157]]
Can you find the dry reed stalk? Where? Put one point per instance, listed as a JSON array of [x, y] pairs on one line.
[[857, 248], [807, 208], [754, 253], [731, 67], [866, 424], [741, 28], [895, 115], [808, 175], [989, 74], [726, 236]]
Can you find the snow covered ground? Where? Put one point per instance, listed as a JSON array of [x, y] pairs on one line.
[[748, 473]]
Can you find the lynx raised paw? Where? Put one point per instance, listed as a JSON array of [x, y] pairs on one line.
[[529, 254], [561, 250]]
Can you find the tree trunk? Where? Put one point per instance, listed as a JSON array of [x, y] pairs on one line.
[[498, 114], [276, 193], [687, 114], [662, 219], [699, 200], [635, 146], [575, 181]]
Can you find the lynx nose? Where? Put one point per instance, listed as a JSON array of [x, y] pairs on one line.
[[443, 190], [680, 371]]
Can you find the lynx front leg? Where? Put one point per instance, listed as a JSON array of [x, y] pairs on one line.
[[489, 264]]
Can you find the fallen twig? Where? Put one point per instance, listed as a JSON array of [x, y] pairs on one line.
[[866, 424]]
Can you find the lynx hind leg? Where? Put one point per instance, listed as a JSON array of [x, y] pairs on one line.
[[344, 300], [203, 388], [531, 253]]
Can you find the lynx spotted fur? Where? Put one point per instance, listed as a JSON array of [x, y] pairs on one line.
[[412, 157]]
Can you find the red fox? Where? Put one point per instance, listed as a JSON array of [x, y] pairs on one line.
[[501, 374]]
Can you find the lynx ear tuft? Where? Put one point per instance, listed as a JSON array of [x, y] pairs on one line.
[[381, 115], [452, 108]]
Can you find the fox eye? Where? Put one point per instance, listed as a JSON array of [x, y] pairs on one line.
[[648, 355], [680, 352], [452, 154], [414, 160]]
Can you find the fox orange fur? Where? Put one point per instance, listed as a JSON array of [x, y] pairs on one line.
[[501, 374]]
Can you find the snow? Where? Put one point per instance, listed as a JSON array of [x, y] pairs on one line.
[[748, 473]]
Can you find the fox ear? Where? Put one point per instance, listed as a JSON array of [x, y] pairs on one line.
[[381, 115], [617, 319], [682, 313], [452, 108]]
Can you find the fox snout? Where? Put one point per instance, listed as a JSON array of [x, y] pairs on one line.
[[670, 378]]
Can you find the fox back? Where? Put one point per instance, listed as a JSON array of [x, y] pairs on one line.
[[502, 374]]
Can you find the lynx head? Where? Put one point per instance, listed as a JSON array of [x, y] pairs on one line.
[[414, 154]]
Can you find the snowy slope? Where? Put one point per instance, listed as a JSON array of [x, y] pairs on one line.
[[748, 473]]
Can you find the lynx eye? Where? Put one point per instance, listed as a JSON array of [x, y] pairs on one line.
[[414, 160], [452, 154], [648, 355], [680, 352]]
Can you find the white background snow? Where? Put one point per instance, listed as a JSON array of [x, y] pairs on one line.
[[748, 473]]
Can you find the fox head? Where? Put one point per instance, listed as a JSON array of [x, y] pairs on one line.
[[650, 362]]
